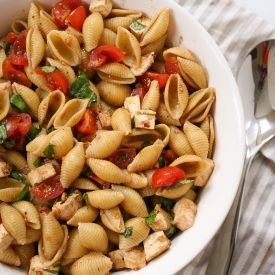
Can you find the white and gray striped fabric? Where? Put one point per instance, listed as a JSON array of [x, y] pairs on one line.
[[237, 31]]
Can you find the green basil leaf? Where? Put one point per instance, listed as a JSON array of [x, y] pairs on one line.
[[137, 26], [3, 132], [172, 216], [151, 218], [133, 122], [80, 89], [86, 170], [49, 152], [161, 161], [181, 182], [123, 154], [24, 193], [170, 231], [37, 162], [166, 204], [33, 132], [9, 143], [7, 47], [17, 175], [18, 102], [70, 191], [145, 144], [51, 129], [86, 199], [128, 232], [48, 69]]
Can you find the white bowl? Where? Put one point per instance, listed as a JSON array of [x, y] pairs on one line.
[[216, 198]]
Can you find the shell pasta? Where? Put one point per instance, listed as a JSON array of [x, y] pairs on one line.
[[100, 110]]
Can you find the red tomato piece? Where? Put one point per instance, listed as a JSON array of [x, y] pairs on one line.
[[11, 37], [49, 189], [18, 125], [105, 54], [167, 176], [169, 156], [55, 80], [140, 91], [102, 183], [122, 157], [76, 18], [12, 73], [18, 53], [87, 124], [172, 66], [147, 77], [19, 144], [62, 10]]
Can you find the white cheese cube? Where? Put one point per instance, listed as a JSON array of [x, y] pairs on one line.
[[132, 104], [138, 30], [5, 169], [38, 268], [145, 119], [5, 238], [41, 174]]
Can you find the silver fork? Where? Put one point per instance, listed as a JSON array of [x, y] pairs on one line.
[[258, 133]]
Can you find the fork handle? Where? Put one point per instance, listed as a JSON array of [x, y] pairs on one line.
[[221, 256]]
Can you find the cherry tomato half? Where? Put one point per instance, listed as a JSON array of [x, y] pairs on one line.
[[76, 18], [87, 124], [55, 80], [122, 157], [48, 189], [171, 65], [12, 73], [18, 125], [147, 77], [11, 37], [105, 54], [140, 91], [167, 176], [18, 53], [62, 10]]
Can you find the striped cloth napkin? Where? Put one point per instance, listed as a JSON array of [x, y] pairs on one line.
[[237, 31]]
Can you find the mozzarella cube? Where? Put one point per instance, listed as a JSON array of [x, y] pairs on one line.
[[5, 169], [134, 258], [145, 119], [117, 259], [41, 174], [132, 104], [37, 267], [5, 238], [136, 30], [104, 7], [162, 221], [145, 63]]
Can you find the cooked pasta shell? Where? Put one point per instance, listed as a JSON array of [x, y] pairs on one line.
[[173, 193], [49, 108], [52, 236], [64, 47], [116, 73], [29, 96], [211, 136], [76, 33], [32, 236], [152, 97], [105, 199], [191, 195], [47, 23], [121, 121], [18, 26], [178, 52], [41, 93], [192, 70], [139, 137], [2, 58], [72, 164], [85, 214], [85, 59], [202, 180], [154, 47], [197, 139], [192, 165], [75, 248], [175, 96], [128, 13], [91, 37], [84, 183], [10, 257], [149, 190], [4, 103], [138, 180], [128, 43], [71, 113], [104, 144], [158, 67], [205, 127], [29, 213], [164, 117], [112, 93], [25, 253], [10, 193], [107, 171], [34, 14], [14, 223], [164, 130], [146, 158], [140, 230], [94, 263], [16, 159], [132, 203], [179, 142], [112, 219], [93, 236], [115, 22], [157, 27], [108, 37], [66, 70]]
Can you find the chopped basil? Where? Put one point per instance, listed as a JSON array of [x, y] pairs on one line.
[[49, 152], [54, 271], [51, 129], [86, 199], [25, 193], [70, 191], [182, 182], [170, 231], [145, 144], [151, 218], [3, 132], [86, 170], [123, 154], [161, 161], [172, 215], [48, 69], [80, 89], [18, 102], [133, 122], [166, 204], [137, 26], [128, 232], [33, 132], [17, 175], [9, 143], [37, 162], [7, 47]]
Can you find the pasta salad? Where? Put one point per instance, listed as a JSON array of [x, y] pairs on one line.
[[106, 136]]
